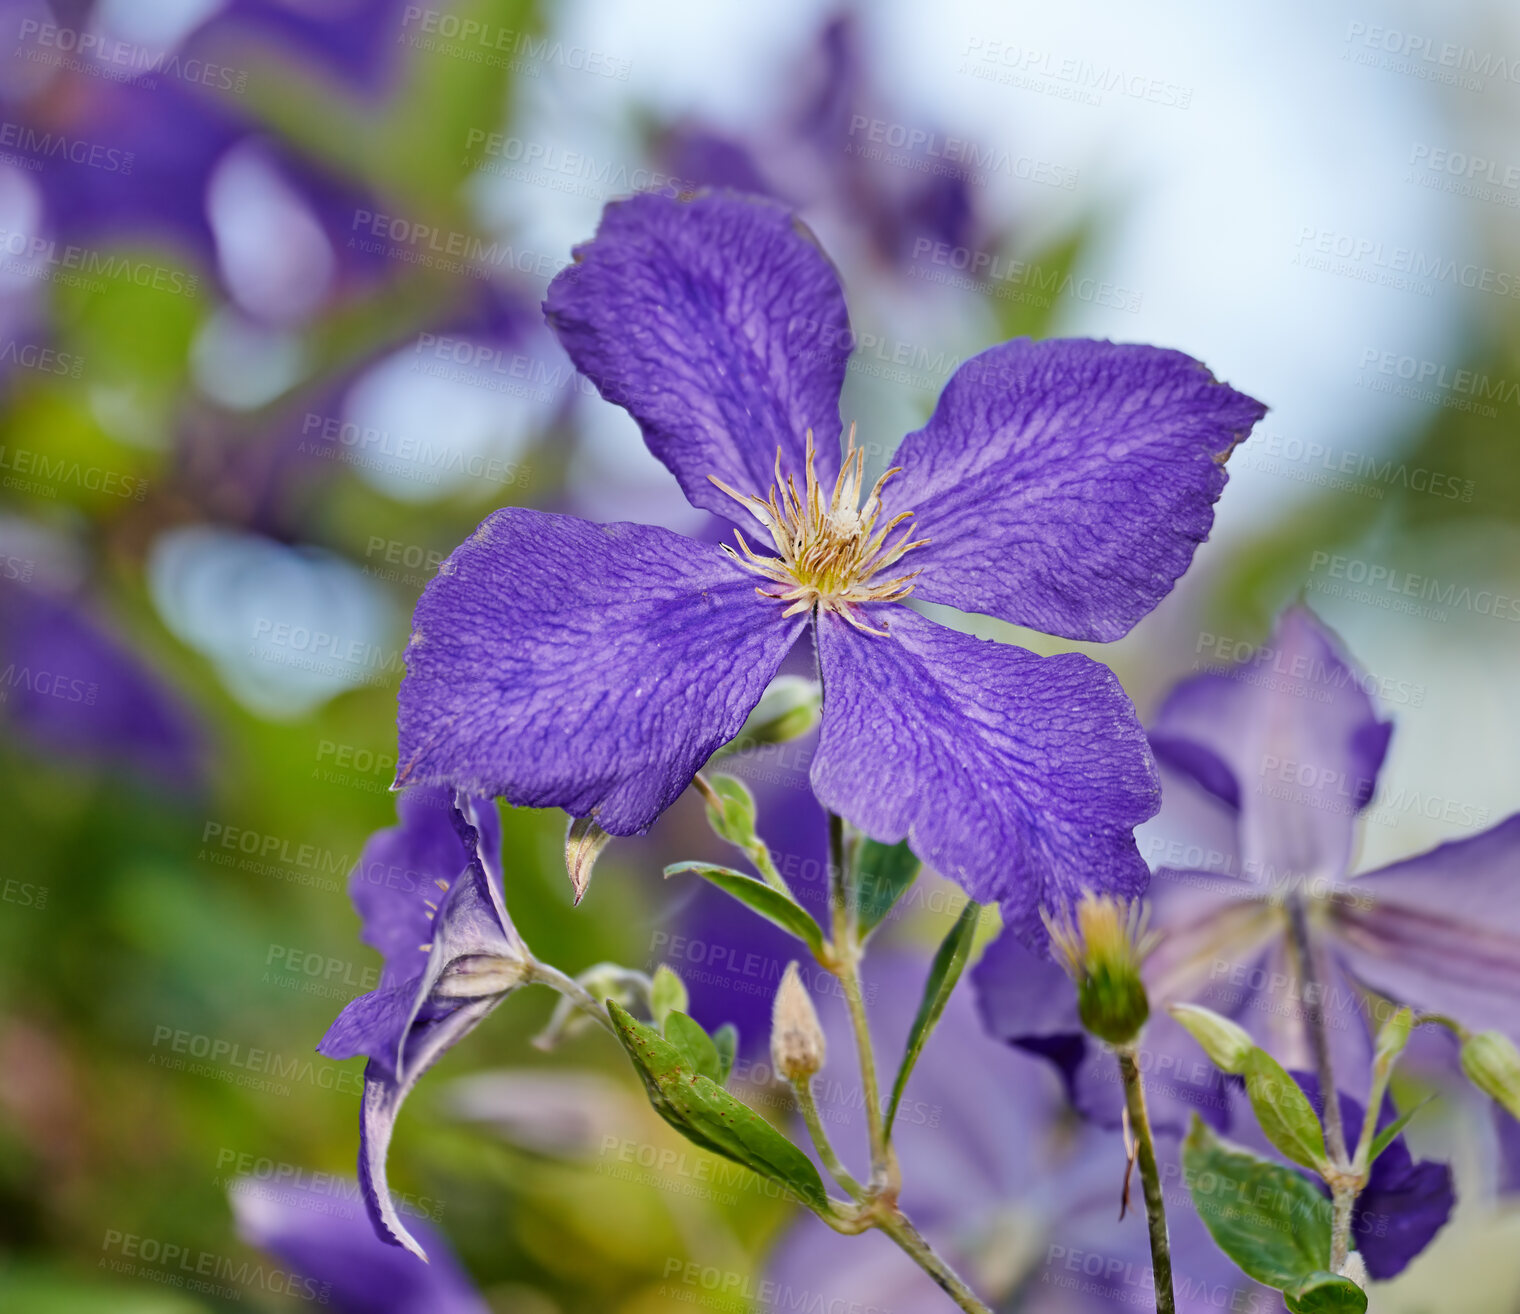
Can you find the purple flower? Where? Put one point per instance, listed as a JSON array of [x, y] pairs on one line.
[[1061, 485], [430, 894], [345, 1267], [1020, 1204], [1267, 766], [74, 691]]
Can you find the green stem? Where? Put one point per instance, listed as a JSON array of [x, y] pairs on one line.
[[1342, 1201], [896, 1226], [845, 965], [543, 974], [1150, 1179], [810, 1116]]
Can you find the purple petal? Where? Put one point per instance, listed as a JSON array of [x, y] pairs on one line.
[[1026, 1000], [595, 668], [697, 156], [1441, 932], [1064, 485], [720, 325], [352, 1270], [1017, 776], [384, 1095], [1292, 738]]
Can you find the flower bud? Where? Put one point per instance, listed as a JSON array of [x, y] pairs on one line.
[[1225, 1042], [797, 1048], [788, 709], [1102, 950], [1492, 1064], [583, 846]]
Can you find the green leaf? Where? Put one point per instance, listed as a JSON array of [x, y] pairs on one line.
[[734, 820], [726, 1039], [667, 992], [687, 1035], [764, 899], [944, 972], [706, 1114], [1384, 1138], [1284, 1111], [1325, 1293], [1271, 1221], [883, 873]]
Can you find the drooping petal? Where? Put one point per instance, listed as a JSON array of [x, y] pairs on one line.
[[1441, 931], [720, 326], [560, 663], [1017, 776], [1064, 485], [1292, 739], [332, 1245]]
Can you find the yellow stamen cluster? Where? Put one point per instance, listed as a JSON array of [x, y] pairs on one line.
[[830, 552]]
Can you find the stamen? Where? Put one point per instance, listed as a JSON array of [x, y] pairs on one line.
[[830, 553]]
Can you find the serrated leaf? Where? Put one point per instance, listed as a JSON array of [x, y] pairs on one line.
[[759, 897], [708, 1116], [726, 1039], [1283, 1110], [1325, 1293], [944, 972], [1385, 1138], [687, 1035], [883, 874], [1270, 1220], [667, 993]]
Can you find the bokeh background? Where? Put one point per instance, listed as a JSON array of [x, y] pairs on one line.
[[270, 348]]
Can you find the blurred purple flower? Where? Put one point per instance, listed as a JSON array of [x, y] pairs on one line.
[[1021, 1203], [1062, 485], [1267, 766], [430, 894], [352, 1270], [72, 690], [818, 156]]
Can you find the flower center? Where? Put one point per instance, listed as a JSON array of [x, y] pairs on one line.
[[831, 554]]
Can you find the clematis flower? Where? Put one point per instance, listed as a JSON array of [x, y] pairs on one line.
[[1062, 485], [1268, 764], [1019, 1201], [430, 894], [350, 1270]]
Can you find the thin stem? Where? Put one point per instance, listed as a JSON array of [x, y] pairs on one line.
[[846, 968], [1342, 1201], [1150, 1179], [810, 1116], [1319, 1041], [543, 974], [896, 1226]]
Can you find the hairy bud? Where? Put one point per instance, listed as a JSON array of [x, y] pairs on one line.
[[797, 1048], [1102, 948]]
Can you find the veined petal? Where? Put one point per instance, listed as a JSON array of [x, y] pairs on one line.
[[1064, 485], [1017, 776], [718, 323], [595, 668], [1292, 739], [1441, 931]]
